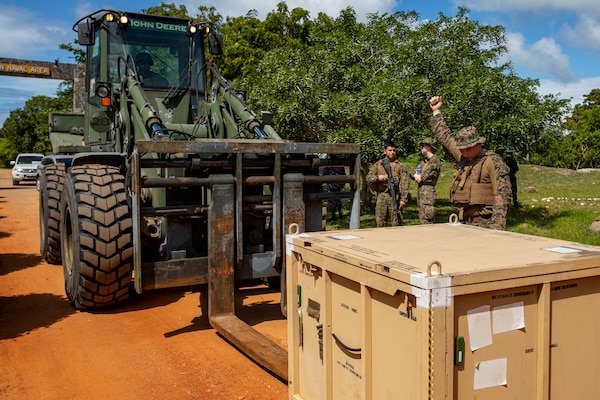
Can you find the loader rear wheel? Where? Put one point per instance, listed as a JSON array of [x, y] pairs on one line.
[[51, 184], [96, 237]]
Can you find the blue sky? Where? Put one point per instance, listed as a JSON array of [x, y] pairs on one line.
[[555, 41]]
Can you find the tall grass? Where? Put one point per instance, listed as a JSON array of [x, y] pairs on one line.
[[564, 205]]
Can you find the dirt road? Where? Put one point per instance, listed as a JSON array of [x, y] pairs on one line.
[[156, 346]]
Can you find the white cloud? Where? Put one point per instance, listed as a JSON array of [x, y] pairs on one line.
[[544, 56], [585, 32], [35, 38], [572, 90]]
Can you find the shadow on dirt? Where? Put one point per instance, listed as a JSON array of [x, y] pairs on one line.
[[257, 311], [17, 262], [148, 299], [18, 188], [252, 313], [20, 315]]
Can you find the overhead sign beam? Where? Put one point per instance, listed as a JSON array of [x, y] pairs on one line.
[[49, 70], [37, 69]]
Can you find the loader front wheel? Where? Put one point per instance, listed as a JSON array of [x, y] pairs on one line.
[[96, 237], [51, 184]]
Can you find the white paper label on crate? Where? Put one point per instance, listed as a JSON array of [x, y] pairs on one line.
[[344, 237], [490, 373], [508, 317], [480, 327], [562, 250]]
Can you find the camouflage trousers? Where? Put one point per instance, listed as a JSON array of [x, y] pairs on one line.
[[384, 211], [426, 195], [513, 186]]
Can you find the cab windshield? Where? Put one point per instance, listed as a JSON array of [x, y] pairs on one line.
[[161, 51], [161, 48]]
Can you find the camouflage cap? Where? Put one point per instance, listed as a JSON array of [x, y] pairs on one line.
[[468, 137], [429, 142]]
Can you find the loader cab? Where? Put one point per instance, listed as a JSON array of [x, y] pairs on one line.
[[166, 56], [174, 46]]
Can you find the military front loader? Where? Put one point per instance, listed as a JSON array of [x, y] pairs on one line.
[[174, 180]]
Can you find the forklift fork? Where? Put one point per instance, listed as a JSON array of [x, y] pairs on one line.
[[221, 287]]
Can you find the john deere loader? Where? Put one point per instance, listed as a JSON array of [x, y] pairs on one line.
[[174, 180]]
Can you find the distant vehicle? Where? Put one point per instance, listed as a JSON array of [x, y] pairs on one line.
[[25, 167], [52, 159]]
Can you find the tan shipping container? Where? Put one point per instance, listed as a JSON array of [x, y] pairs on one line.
[[442, 311]]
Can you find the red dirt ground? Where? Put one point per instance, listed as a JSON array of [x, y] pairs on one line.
[[158, 345]]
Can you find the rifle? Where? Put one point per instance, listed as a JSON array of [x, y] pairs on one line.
[[391, 185]]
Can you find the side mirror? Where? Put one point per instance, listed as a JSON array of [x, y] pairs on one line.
[[215, 44], [85, 33]]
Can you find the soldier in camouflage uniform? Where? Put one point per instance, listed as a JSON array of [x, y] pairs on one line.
[[513, 167], [426, 181], [334, 205], [481, 187], [377, 178]]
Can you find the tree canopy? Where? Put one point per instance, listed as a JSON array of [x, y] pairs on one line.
[[26, 129], [368, 82], [338, 79], [581, 146]]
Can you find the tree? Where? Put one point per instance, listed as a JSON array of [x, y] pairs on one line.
[[26, 130], [582, 141], [246, 39], [376, 78], [370, 82], [168, 10], [339, 80]]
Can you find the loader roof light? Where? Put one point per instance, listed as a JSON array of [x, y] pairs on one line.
[[111, 17], [192, 29]]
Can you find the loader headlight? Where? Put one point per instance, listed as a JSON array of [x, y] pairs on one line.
[[102, 91]]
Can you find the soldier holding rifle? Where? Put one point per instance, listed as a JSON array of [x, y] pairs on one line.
[[388, 180]]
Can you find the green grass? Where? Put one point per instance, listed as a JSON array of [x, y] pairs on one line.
[[564, 206]]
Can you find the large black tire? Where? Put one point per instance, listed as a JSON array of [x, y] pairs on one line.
[[51, 185], [96, 237]]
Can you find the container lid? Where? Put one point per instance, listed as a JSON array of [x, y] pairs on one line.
[[460, 254]]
